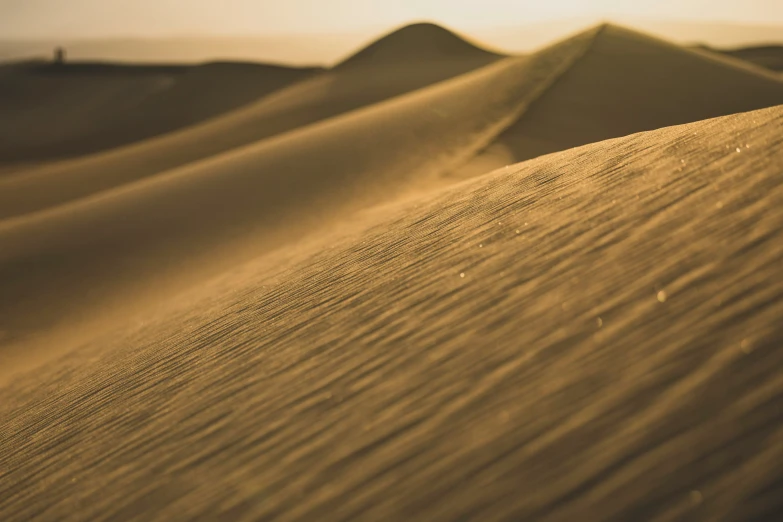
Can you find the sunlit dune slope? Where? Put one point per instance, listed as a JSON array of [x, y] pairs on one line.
[[590, 335], [355, 85], [52, 111], [111, 253], [628, 82]]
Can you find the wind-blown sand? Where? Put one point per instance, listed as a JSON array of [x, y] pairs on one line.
[[297, 310]]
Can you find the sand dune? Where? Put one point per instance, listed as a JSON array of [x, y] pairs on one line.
[[352, 86], [117, 251], [597, 99], [590, 335], [92, 240], [424, 43], [525, 38], [628, 82], [54, 111], [294, 294]]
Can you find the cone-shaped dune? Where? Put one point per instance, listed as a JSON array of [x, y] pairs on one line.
[[591, 335], [262, 293], [423, 43]]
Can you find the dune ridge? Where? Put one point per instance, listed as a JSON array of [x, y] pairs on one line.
[[307, 298], [594, 101], [94, 240], [628, 82], [419, 42], [307, 102], [163, 233], [597, 329]]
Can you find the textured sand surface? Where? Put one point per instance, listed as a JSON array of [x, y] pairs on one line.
[[293, 294], [590, 335], [115, 252]]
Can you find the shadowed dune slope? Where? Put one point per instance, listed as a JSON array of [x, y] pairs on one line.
[[110, 253], [628, 82], [42, 104], [768, 56], [318, 98], [54, 111], [591, 335]]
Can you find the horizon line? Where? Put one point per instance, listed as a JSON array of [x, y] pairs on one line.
[[381, 28]]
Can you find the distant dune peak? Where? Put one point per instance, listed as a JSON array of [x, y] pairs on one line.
[[608, 30], [626, 82], [418, 42]]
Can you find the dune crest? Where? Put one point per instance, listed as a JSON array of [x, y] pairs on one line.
[[425, 42], [629, 82]]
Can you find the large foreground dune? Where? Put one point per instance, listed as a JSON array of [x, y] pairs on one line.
[[245, 292], [591, 335]]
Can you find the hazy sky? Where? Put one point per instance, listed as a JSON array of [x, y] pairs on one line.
[[98, 18]]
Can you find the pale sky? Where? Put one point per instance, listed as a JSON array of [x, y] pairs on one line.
[[106, 18]]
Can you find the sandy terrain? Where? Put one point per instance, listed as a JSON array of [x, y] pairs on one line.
[[353, 85], [319, 304], [53, 111], [627, 83]]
